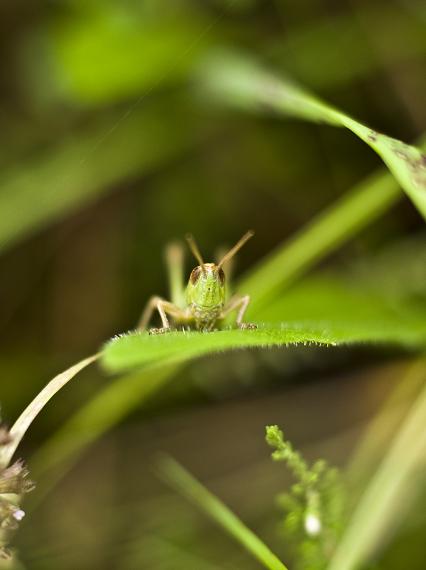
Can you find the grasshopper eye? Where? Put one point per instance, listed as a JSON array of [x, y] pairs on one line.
[[221, 276], [195, 275]]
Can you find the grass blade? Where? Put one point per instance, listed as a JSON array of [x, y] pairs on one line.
[[176, 476], [326, 233], [379, 432], [242, 82], [99, 415], [27, 417]]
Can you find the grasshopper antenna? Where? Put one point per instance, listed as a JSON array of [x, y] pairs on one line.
[[236, 247], [195, 251]]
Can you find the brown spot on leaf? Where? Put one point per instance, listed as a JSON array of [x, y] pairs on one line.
[[401, 154], [419, 181]]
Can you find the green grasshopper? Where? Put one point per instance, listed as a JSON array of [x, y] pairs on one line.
[[203, 303]]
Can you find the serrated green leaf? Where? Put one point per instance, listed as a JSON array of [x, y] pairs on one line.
[[139, 348]]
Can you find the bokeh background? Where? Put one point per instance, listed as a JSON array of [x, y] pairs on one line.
[[110, 148]]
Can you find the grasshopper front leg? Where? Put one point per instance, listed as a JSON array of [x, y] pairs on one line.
[[164, 308], [240, 305]]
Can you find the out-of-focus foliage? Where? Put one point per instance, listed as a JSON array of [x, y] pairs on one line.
[[78, 171], [111, 146], [116, 50]]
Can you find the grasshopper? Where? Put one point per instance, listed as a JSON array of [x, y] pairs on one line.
[[203, 303]]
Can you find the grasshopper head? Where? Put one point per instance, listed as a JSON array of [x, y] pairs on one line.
[[206, 286]]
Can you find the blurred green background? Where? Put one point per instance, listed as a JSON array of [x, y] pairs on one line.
[[110, 148]]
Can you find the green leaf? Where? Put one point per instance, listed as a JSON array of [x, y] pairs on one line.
[[136, 349], [242, 82]]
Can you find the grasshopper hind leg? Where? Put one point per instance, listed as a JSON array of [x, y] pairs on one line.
[[174, 257], [174, 262]]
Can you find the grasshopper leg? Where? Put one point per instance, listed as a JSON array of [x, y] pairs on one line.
[[240, 305], [164, 308], [174, 261]]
